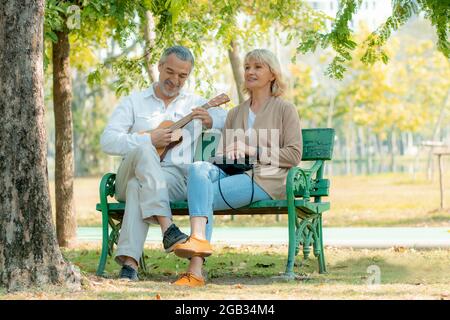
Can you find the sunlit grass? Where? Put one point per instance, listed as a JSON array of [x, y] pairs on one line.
[[247, 272]]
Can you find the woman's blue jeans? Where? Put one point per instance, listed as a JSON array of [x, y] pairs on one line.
[[204, 196]]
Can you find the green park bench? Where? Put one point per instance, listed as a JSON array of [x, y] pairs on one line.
[[305, 188]]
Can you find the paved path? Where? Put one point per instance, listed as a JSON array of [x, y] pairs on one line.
[[335, 237]]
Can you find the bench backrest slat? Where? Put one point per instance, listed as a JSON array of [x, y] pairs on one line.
[[317, 144]]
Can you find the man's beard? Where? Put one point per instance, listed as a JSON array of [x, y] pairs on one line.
[[168, 93]]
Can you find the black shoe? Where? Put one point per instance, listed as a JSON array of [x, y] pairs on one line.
[[173, 236], [128, 273]]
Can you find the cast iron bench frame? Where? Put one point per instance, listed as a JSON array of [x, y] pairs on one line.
[[302, 184]]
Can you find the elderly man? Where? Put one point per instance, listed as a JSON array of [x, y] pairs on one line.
[[146, 183]]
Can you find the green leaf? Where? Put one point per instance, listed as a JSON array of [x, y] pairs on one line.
[[52, 36]]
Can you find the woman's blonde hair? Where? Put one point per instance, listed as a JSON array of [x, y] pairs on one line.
[[278, 86]]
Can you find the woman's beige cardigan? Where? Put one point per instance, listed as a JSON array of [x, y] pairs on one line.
[[279, 137]]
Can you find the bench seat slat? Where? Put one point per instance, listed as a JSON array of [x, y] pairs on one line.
[[262, 207]]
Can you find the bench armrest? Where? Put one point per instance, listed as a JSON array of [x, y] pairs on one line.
[[296, 180], [107, 188], [299, 180]]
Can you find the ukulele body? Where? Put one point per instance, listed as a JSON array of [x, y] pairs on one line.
[[217, 101]]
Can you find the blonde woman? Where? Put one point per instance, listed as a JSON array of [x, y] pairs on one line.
[[272, 135]]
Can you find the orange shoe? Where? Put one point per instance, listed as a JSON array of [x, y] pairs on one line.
[[189, 280], [193, 247]]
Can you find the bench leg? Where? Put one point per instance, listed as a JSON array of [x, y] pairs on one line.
[[105, 241], [292, 242], [321, 258]]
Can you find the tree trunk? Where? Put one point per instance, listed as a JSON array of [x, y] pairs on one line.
[[393, 148], [62, 104], [149, 36], [402, 143], [380, 154], [29, 253], [238, 72], [330, 112], [436, 133], [369, 149], [329, 166], [348, 150], [363, 143]]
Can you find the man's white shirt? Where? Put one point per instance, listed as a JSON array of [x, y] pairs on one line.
[[142, 111]]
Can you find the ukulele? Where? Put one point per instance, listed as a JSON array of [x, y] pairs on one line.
[[168, 124]]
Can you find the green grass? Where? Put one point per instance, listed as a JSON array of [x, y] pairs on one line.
[[247, 272], [356, 201]]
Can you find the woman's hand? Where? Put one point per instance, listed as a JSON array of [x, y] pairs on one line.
[[239, 150]]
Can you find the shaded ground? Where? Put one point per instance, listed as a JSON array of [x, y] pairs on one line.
[[247, 272]]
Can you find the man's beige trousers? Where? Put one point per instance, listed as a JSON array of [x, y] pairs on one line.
[[147, 185]]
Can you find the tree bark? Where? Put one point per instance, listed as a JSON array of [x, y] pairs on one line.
[[238, 73], [29, 253], [64, 165]]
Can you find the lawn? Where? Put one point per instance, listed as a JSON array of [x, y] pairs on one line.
[[247, 272], [358, 201]]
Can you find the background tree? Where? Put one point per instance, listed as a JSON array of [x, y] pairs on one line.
[[340, 38], [62, 106], [29, 253], [77, 22], [379, 111], [242, 24]]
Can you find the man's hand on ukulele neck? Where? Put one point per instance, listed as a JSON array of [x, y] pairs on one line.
[[203, 115]]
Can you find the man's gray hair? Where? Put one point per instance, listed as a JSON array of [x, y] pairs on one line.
[[181, 52]]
